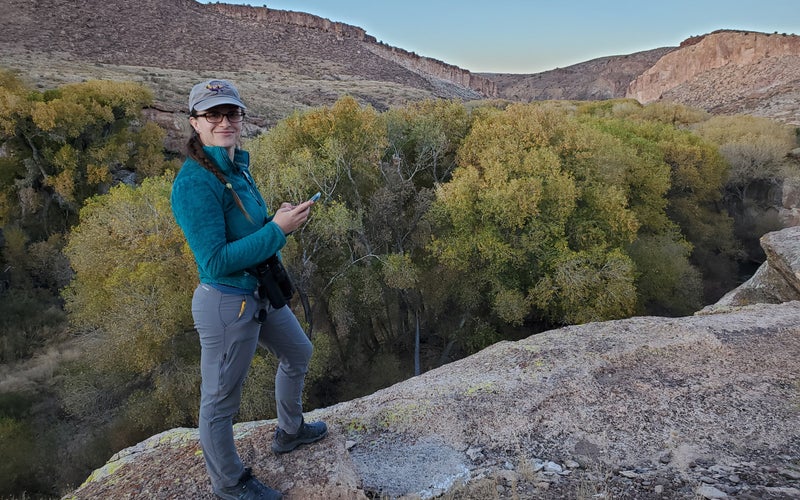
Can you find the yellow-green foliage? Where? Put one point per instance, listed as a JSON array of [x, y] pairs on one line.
[[132, 284], [13, 101], [423, 139], [171, 400], [63, 145], [536, 220], [325, 149], [689, 211], [15, 441], [357, 254], [501, 214], [667, 284], [30, 315], [399, 271]]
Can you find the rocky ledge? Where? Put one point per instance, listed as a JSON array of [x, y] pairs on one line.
[[706, 406]]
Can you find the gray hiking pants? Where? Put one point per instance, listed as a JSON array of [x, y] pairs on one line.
[[229, 333]]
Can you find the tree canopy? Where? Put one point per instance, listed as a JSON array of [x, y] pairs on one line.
[[64, 145]]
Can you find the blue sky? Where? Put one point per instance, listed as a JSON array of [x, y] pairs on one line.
[[530, 36]]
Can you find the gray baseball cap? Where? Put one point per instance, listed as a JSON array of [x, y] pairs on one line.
[[212, 93]]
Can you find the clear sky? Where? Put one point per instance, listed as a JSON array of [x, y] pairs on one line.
[[530, 36]]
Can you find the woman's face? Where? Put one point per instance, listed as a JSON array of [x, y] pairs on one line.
[[225, 133]]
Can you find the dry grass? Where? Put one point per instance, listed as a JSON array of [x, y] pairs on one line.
[[482, 489], [28, 374]]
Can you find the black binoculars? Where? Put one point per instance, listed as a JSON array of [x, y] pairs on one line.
[[274, 283]]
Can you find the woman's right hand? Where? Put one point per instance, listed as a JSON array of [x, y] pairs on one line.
[[289, 218]]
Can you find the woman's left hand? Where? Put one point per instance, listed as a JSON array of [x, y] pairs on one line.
[[290, 217]]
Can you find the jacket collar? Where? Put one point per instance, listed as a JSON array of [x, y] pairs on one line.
[[241, 159]]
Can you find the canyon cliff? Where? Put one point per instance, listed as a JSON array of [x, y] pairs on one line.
[[285, 60], [413, 62], [728, 72], [293, 60], [598, 79], [724, 72]]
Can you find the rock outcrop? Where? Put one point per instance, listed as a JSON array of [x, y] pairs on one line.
[[267, 15], [706, 53], [706, 406], [729, 72], [777, 280]]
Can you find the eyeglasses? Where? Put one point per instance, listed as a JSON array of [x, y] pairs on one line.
[[216, 116]]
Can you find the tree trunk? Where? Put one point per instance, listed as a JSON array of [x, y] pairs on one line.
[[416, 346]]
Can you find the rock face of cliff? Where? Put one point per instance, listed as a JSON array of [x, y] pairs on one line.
[[724, 72], [706, 406], [267, 15], [729, 72], [446, 73], [235, 39], [602, 78]]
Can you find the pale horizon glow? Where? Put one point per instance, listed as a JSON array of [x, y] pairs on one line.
[[531, 36]]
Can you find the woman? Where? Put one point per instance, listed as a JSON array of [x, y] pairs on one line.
[[228, 228]]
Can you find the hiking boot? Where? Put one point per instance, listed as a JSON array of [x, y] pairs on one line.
[[248, 488], [307, 433]]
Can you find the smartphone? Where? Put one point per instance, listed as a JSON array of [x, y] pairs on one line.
[[315, 197]]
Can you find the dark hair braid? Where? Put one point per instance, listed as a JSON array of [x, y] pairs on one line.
[[194, 148]]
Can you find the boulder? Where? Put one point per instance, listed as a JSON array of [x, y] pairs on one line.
[[777, 280]]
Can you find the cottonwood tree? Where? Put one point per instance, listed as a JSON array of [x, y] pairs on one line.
[[757, 150], [57, 148], [359, 261], [697, 176], [130, 300], [63, 146], [423, 140], [336, 151], [531, 223]]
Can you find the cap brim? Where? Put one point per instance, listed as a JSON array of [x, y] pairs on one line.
[[217, 101]]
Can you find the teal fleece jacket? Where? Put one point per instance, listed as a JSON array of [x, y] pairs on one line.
[[224, 242]]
